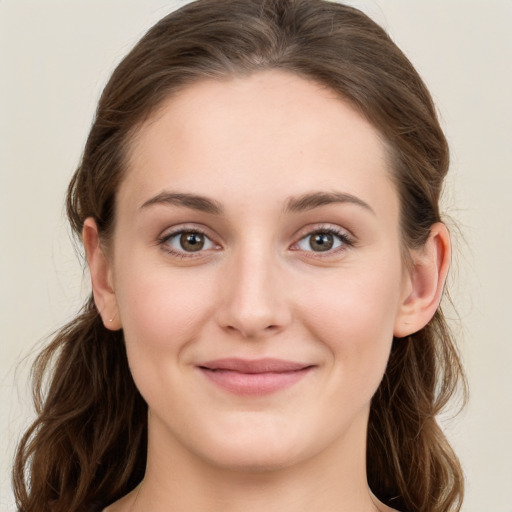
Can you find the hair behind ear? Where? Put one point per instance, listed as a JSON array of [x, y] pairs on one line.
[[423, 373], [88, 444]]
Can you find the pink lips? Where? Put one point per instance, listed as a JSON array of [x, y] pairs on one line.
[[254, 377]]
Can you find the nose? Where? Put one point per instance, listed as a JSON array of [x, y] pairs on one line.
[[253, 301]]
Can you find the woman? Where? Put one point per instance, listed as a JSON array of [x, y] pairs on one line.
[[258, 203]]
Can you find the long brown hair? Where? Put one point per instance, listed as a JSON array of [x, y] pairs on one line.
[[88, 443]]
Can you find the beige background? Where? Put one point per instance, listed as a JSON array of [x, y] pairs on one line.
[[55, 56]]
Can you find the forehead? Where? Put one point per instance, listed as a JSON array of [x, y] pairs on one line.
[[268, 134]]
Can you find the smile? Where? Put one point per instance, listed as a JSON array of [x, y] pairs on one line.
[[254, 377]]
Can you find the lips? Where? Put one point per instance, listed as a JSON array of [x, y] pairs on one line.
[[254, 377]]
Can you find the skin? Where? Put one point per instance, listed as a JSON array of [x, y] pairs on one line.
[[259, 288]]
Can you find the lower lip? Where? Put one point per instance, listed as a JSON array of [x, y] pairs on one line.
[[254, 384]]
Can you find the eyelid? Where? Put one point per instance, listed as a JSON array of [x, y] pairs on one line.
[[186, 226], [324, 226]]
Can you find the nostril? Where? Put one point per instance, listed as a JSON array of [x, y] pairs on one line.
[[252, 332]]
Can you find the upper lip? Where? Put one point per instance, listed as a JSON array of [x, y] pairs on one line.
[[266, 365]]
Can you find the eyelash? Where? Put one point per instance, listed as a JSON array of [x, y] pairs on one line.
[[346, 242]]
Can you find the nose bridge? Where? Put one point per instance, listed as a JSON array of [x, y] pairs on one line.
[[255, 301]]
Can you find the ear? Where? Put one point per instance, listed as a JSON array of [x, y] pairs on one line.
[[425, 282], [101, 276]]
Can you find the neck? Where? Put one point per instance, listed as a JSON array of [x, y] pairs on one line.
[[334, 480]]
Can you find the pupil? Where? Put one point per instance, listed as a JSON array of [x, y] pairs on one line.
[[322, 242], [192, 241]]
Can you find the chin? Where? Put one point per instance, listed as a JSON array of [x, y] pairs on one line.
[[254, 459], [264, 447]]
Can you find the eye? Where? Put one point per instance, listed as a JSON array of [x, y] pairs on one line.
[[189, 241], [323, 241]]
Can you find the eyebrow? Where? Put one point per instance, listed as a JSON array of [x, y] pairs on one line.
[[193, 201], [299, 204], [316, 199]]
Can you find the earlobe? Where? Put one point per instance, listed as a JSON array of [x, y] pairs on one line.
[[101, 276], [426, 280]]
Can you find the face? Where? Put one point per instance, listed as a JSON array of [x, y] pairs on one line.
[[257, 270]]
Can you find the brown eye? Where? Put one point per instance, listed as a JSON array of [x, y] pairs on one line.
[[192, 242], [321, 241], [324, 241], [183, 242]]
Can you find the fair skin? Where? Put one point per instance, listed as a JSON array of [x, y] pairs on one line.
[[257, 219]]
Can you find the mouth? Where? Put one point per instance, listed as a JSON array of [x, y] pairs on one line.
[[254, 377]]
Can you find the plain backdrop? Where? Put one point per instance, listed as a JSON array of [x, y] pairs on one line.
[[55, 57]]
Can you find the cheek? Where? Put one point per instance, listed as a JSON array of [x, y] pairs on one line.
[[162, 310], [353, 300], [353, 314]]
